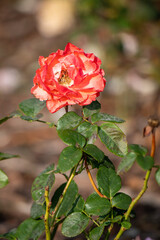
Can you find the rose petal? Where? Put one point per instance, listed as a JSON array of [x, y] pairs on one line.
[[40, 93]]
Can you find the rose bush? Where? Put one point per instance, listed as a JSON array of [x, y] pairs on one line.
[[68, 77]]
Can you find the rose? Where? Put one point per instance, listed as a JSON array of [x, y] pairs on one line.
[[68, 77]]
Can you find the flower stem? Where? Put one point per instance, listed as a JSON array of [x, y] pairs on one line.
[[134, 201], [46, 217], [92, 182], [63, 194]]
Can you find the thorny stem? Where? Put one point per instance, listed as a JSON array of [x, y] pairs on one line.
[[92, 182], [134, 201], [63, 194], [46, 217]]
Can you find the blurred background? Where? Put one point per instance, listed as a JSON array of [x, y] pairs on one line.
[[125, 35]]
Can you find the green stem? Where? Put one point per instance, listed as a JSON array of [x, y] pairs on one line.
[[48, 123], [91, 219], [134, 201], [63, 194], [46, 217]]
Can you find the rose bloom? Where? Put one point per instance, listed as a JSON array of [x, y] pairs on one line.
[[68, 77]]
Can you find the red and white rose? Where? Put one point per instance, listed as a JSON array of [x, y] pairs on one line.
[[68, 77]]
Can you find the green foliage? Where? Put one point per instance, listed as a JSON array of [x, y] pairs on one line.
[[105, 118], [113, 138], [67, 206], [96, 233], [4, 156], [57, 195], [96, 205], [72, 138], [3, 179], [92, 108], [74, 224], [37, 210], [46, 178], [10, 235], [68, 200], [69, 120], [126, 224], [138, 149], [28, 110], [157, 175], [127, 162], [30, 229], [78, 204], [94, 151], [108, 181], [137, 153], [13, 114], [146, 162], [87, 129], [121, 201], [69, 157], [2, 120], [31, 107]]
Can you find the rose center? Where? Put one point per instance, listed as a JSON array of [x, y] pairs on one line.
[[64, 79]]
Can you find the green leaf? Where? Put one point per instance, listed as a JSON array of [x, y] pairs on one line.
[[113, 138], [94, 151], [127, 162], [74, 224], [78, 204], [117, 218], [145, 162], [69, 120], [87, 129], [108, 181], [13, 114], [92, 108], [157, 175], [71, 137], [107, 163], [69, 157], [31, 119], [96, 233], [11, 235], [4, 156], [68, 199], [30, 229], [2, 120], [126, 224], [46, 178], [96, 205], [57, 195], [121, 201], [37, 210], [138, 149], [106, 118], [3, 179], [31, 107], [104, 163]]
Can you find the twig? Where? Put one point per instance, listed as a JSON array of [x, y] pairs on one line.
[[46, 217], [134, 201], [92, 182], [62, 196]]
